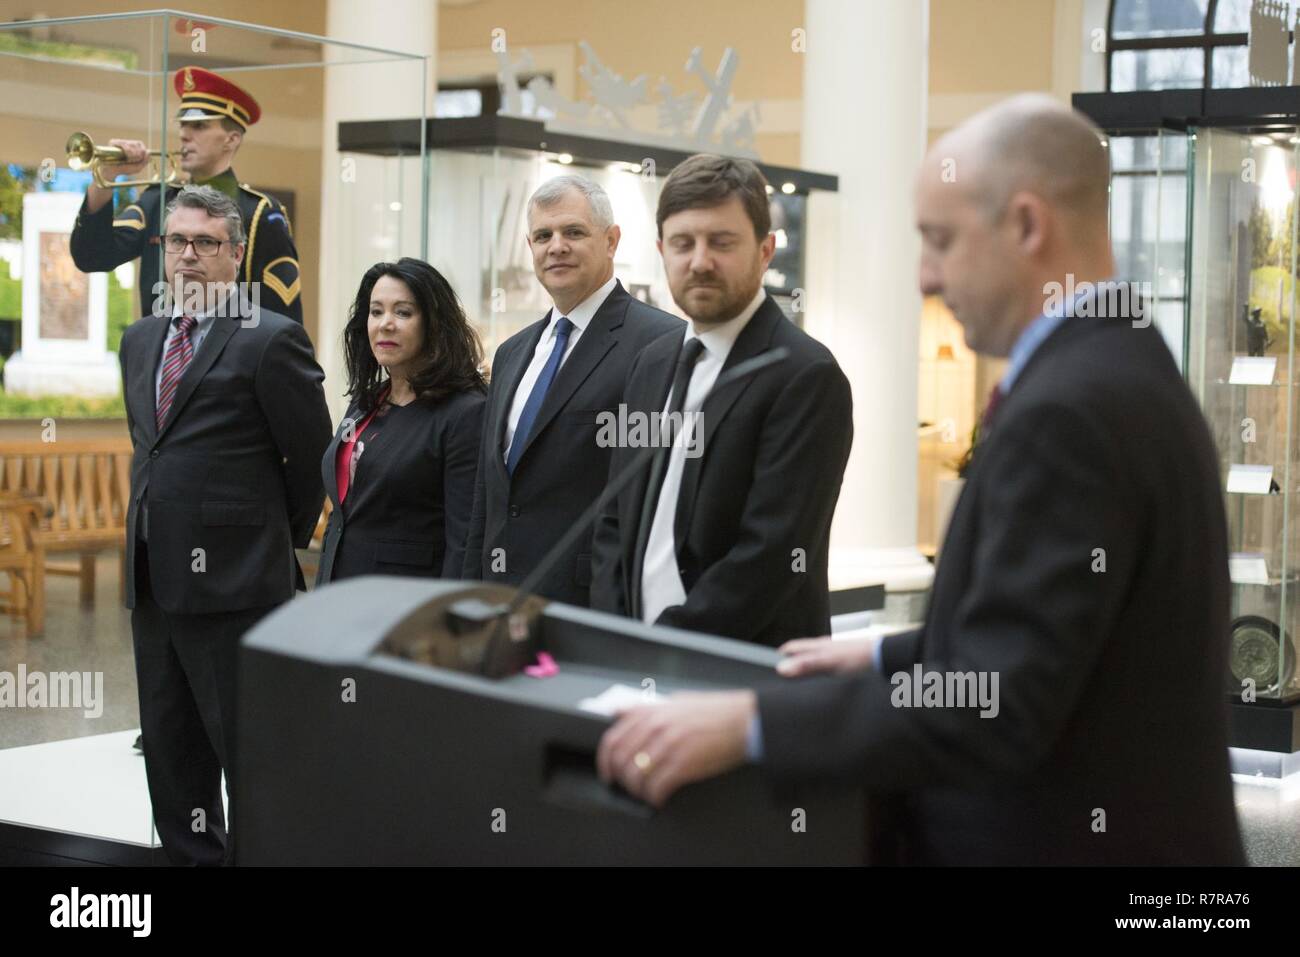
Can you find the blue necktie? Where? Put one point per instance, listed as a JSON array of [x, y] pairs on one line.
[[535, 398]]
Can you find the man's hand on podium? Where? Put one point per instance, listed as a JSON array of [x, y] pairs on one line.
[[652, 750], [816, 656]]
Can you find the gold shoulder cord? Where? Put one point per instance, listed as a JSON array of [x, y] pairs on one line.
[[252, 235]]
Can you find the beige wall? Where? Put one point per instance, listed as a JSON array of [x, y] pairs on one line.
[[982, 51], [979, 50], [990, 46], [655, 39]]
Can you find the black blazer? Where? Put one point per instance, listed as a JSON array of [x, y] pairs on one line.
[[753, 519], [408, 506], [234, 470], [1110, 681], [517, 519]]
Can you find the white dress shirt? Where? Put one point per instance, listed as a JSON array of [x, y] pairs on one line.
[[661, 583], [581, 317]]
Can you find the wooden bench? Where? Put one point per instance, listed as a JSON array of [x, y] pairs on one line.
[[22, 559], [86, 486], [309, 557]]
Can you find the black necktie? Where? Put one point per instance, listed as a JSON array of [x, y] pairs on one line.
[[691, 350]]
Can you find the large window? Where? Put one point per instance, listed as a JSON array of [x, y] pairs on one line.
[[1172, 44], [1148, 222]]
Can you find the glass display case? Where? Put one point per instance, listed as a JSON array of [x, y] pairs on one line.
[[482, 170], [1241, 364], [122, 76], [1203, 217], [69, 772]]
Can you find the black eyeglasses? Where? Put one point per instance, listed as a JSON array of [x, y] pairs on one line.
[[203, 245]]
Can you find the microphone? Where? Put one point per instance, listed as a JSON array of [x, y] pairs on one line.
[[472, 615]]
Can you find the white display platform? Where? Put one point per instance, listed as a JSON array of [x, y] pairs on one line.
[[898, 569], [89, 787]]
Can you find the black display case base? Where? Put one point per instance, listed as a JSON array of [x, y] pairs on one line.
[[1265, 726]]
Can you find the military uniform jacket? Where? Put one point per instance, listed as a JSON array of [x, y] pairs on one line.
[[104, 240]]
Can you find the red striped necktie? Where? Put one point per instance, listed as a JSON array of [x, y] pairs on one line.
[[179, 354]]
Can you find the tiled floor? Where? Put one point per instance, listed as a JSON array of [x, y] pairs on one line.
[[1269, 814], [98, 639], [77, 639]]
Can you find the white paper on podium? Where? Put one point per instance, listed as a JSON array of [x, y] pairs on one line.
[[1253, 370], [1248, 568], [1250, 479], [618, 697]]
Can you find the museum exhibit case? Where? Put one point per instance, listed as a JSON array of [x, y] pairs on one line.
[[71, 785], [1203, 217], [1241, 363], [481, 172], [123, 76]]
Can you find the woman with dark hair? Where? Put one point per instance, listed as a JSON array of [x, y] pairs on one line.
[[400, 471]]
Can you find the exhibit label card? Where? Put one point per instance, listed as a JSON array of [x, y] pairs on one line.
[[1250, 479], [1253, 370], [1248, 568]]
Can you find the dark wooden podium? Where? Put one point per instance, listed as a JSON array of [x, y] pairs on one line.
[[350, 755]]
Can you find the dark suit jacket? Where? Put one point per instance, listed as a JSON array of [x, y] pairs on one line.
[[562, 469], [408, 506], [1110, 681], [760, 495], [235, 469]]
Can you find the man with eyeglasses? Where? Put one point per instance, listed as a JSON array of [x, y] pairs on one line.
[[228, 423], [214, 115]]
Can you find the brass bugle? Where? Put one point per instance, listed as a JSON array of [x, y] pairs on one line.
[[84, 154]]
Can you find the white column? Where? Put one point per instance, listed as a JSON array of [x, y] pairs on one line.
[[864, 119], [356, 91]]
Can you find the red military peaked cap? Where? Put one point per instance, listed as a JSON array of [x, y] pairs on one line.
[[207, 96]]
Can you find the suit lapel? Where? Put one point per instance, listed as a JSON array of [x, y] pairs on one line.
[[753, 339], [142, 391], [514, 369], [216, 339], [329, 464], [595, 342], [1060, 335]]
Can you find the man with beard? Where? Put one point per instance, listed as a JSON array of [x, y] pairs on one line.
[[728, 531]]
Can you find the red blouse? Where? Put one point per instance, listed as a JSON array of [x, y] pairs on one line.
[[343, 465]]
